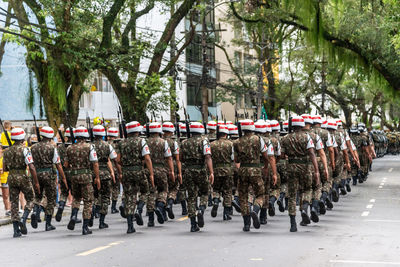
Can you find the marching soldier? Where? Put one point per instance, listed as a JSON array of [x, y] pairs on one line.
[[234, 135], [16, 159], [45, 154], [247, 152], [163, 166], [196, 155], [81, 156], [182, 193], [132, 151], [105, 154], [112, 135]]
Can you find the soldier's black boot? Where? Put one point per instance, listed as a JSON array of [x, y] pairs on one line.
[[159, 210], [236, 204], [170, 212], [91, 218], [304, 214], [354, 180], [60, 210], [335, 193], [40, 209], [226, 215], [263, 216], [214, 209], [280, 202], [247, 222], [131, 229], [200, 216], [342, 187], [150, 223], [348, 187], [122, 210], [184, 207], [360, 177], [34, 217], [97, 211], [85, 227], [22, 223], [321, 205], [17, 232], [193, 225], [293, 225], [286, 203], [114, 207], [314, 211], [254, 216], [210, 202], [271, 206], [102, 224], [230, 211], [49, 227], [138, 213], [72, 221]]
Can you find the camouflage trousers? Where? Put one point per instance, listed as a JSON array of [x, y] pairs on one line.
[[364, 163], [338, 173], [64, 192], [182, 193], [115, 189], [326, 183], [235, 191], [19, 183], [104, 195], [257, 184], [48, 188], [158, 194], [133, 182], [300, 181], [85, 192], [196, 183], [173, 187], [283, 176], [267, 186], [223, 187], [275, 190]]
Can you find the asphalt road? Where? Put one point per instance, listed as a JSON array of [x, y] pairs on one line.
[[361, 230]]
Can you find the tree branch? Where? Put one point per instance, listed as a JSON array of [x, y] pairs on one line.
[[108, 22]]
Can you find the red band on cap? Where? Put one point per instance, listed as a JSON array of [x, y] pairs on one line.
[[297, 120], [168, 126], [154, 126], [81, 131], [17, 133], [98, 130], [261, 126], [46, 131], [133, 126], [247, 123], [197, 126], [111, 131]]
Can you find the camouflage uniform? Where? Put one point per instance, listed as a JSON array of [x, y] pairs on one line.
[[173, 187], [327, 141], [45, 155], [339, 167], [62, 152], [80, 157], [364, 161], [115, 187], [275, 190], [281, 167], [357, 142], [15, 160]]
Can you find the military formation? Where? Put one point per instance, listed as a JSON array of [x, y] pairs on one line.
[[302, 165]]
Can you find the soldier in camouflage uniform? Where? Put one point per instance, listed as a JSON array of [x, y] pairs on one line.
[[357, 145], [222, 157], [163, 166], [15, 160], [195, 155], [233, 136], [105, 154], [299, 147], [45, 154], [366, 155], [248, 149], [182, 193], [81, 156], [132, 151], [211, 136], [173, 187], [112, 135]]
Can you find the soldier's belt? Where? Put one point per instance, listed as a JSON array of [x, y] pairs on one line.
[[251, 165], [132, 168], [158, 165], [80, 171], [19, 171], [222, 165], [299, 161], [196, 167], [40, 170]]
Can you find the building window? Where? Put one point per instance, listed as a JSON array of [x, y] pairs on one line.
[[238, 60]]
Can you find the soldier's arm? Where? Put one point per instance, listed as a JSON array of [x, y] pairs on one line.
[[322, 155], [315, 164], [96, 171], [32, 170], [179, 166], [346, 159], [111, 169], [209, 164], [332, 156], [117, 163], [62, 174], [171, 168], [149, 165], [272, 164]]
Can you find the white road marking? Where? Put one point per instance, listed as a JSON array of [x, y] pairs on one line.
[[86, 253], [256, 259], [370, 206], [386, 221], [372, 200], [391, 169], [380, 187], [365, 262], [183, 218], [365, 214], [382, 184]]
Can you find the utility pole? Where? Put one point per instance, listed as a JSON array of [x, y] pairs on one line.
[[205, 70], [173, 74], [323, 83], [260, 94]]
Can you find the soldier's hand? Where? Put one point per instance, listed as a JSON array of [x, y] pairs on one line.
[[316, 176], [37, 188], [348, 166], [333, 165], [275, 178], [97, 182], [152, 180], [211, 178], [113, 178], [326, 173], [120, 178], [358, 163], [172, 176], [180, 178]]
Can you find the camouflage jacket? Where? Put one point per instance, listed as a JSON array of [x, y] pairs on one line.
[[212, 136], [247, 152], [192, 150], [131, 151], [295, 144], [325, 137], [157, 150], [62, 152], [222, 157], [276, 144], [15, 158], [103, 151], [43, 154], [78, 157]]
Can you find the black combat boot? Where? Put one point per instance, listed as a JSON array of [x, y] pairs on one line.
[[335, 193], [314, 211], [49, 227], [354, 180], [230, 211], [193, 225], [91, 220], [114, 207], [348, 187], [226, 215], [122, 210], [97, 211], [85, 227], [280, 202], [184, 207], [170, 205], [321, 205], [293, 225], [72, 221], [254, 216], [22, 223], [286, 203], [360, 177], [34, 217], [40, 209], [150, 223], [214, 209], [200, 216], [236, 204], [131, 229], [328, 202], [342, 187], [60, 210], [159, 210], [17, 232], [263, 216], [210, 202], [271, 206], [138, 213], [304, 214], [247, 222], [102, 224]]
